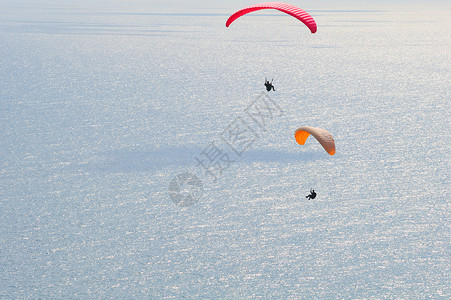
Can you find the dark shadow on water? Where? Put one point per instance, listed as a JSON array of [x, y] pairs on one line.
[[130, 161], [278, 156]]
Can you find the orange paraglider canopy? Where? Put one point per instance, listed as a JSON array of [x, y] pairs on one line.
[[323, 136]]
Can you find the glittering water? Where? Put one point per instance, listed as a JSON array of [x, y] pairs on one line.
[[103, 104]]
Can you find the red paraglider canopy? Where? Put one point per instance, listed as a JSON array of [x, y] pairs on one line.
[[292, 10]]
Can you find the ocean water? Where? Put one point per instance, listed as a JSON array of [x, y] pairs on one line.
[[105, 105]]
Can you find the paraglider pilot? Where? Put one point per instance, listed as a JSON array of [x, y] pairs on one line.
[[312, 194], [269, 85]]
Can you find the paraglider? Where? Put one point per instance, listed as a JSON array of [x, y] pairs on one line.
[[312, 195], [269, 85], [289, 9], [323, 136]]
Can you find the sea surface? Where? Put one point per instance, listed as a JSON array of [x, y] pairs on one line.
[[142, 157]]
